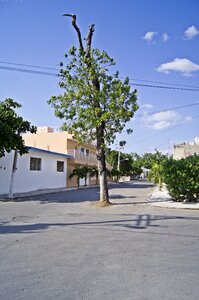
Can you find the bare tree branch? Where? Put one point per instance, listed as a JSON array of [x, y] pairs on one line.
[[89, 39], [76, 28]]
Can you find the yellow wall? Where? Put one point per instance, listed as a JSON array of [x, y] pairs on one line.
[[55, 141]]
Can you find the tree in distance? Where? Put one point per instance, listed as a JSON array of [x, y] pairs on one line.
[[156, 173], [79, 172], [94, 105]]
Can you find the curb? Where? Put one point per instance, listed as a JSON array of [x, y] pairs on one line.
[[4, 198], [166, 202]]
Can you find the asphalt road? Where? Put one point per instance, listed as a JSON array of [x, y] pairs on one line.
[[61, 247]]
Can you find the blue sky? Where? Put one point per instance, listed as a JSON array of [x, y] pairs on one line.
[[150, 40]]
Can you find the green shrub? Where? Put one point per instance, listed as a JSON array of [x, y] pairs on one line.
[[182, 178]]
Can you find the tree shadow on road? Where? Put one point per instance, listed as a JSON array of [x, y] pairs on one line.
[[137, 221], [90, 194]]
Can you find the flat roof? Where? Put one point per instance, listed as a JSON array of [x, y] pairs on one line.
[[50, 152]]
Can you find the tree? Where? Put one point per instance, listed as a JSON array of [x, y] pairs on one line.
[[85, 171], [78, 172], [11, 128], [112, 157], [148, 159], [95, 104], [93, 172], [156, 174], [155, 164]]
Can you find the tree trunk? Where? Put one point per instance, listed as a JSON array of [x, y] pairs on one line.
[[104, 195], [14, 168], [160, 183]]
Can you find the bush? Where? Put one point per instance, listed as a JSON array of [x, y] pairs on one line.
[[182, 178]]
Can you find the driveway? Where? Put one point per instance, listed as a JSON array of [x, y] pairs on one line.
[[59, 246]]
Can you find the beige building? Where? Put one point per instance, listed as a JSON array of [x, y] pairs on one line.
[[62, 142], [186, 149]]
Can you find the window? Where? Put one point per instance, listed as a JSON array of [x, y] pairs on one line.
[[87, 152], [35, 164], [60, 166], [82, 151]]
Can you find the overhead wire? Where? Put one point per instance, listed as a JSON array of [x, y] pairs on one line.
[[161, 84], [164, 131], [164, 87], [28, 71], [27, 65], [168, 109]]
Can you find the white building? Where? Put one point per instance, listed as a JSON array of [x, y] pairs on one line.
[[37, 170], [186, 149]]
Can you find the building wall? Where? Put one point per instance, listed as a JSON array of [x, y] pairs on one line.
[[185, 150], [62, 142], [27, 180], [6, 163], [51, 141]]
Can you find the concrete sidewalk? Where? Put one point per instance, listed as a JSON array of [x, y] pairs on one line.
[[162, 199]]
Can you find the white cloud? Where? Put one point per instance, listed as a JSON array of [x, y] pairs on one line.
[[161, 120], [165, 37], [147, 105], [191, 32], [182, 65], [149, 36]]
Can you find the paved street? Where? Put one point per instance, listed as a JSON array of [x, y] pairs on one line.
[[60, 246]]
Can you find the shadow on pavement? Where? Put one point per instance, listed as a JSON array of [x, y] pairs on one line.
[[90, 194], [140, 221]]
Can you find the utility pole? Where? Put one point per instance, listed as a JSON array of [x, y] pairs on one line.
[[118, 161], [14, 168], [121, 145]]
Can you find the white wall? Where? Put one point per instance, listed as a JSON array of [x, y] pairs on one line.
[[26, 180], [6, 163]]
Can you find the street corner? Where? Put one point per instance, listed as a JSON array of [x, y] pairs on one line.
[[164, 200]]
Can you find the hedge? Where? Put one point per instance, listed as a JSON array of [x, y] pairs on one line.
[[182, 178]]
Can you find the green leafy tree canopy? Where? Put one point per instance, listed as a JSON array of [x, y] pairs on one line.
[[11, 128], [86, 107]]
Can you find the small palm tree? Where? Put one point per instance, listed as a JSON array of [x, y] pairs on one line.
[[85, 171], [156, 175], [79, 172], [93, 172]]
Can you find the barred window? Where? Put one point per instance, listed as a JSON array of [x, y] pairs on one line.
[[35, 164], [82, 151], [60, 166]]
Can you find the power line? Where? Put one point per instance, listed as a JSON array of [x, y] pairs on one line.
[[164, 131], [26, 65], [168, 109], [164, 87], [195, 89], [27, 71], [163, 82], [131, 79]]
